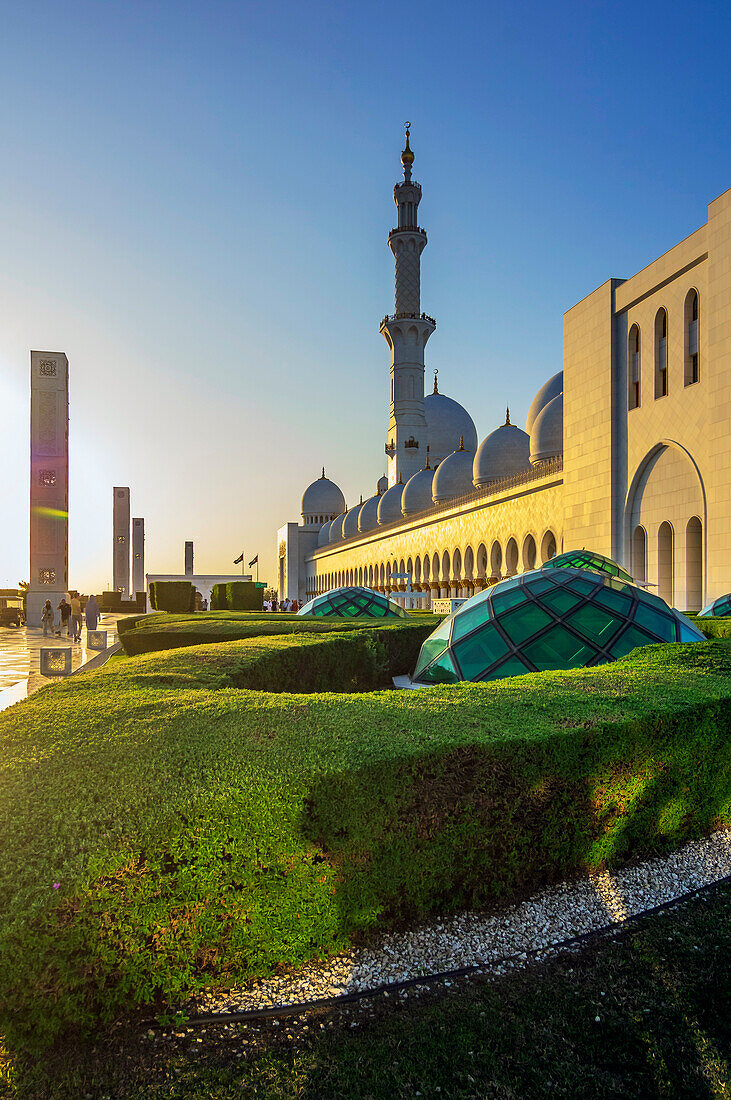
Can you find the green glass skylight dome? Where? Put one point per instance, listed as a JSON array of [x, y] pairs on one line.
[[587, 559], [353, 602], [547, 619], [718, 609]]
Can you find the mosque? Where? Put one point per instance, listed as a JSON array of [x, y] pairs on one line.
[[626, 451]]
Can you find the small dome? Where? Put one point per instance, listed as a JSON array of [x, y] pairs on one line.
[[368, 514], [353, 602], [324, 536], [323, 497], [336, 529], [389, 506], [350, 521], [453, 477], [446, 422], [503, 452], [382, 486], [550, 389], [417, 493], [546, 437]]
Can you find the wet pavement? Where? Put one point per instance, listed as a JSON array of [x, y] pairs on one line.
[[20, 657]]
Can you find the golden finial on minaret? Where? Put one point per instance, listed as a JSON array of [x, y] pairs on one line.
[[436, 372], [323, 473], [461, 443], [407, 157], [507, 415], [427, 467]]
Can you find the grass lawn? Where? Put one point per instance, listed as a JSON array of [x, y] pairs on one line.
[[642, 1014]]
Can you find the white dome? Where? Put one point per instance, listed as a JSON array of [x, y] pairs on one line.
[[324, 536], [389, 506], [350, 521], [417, 493], [336, 529], [382, 486], [322, 498], [503, 452], [446, 422], [550, 389], [546, 438], [368, 514], [453, 477]]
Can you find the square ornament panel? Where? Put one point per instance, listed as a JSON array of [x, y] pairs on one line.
[[96, 639], [55, 662]]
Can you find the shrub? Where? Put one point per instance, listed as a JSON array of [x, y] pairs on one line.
[[203, 834], [218, 598], [172, 596], [244, 596], [713, 628]]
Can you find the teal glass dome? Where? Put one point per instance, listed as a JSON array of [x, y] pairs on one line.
[[353, 602], [548, 619], [718, 609], [587, 559]]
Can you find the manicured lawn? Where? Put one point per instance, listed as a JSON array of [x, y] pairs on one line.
[[165, 828], [645, 1014]]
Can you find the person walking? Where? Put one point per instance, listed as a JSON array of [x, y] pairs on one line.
[[65, 609], [91, 612], [47, 618], [75, 610]]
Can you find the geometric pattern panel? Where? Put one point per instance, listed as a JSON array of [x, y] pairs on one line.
[[548, 619], [718, 609], [587, 559], [352, 602], [55, 662], [96, 639]]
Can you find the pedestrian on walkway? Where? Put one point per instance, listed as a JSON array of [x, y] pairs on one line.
[[65, 609], [76, 617], [47, 618], [91, 612]]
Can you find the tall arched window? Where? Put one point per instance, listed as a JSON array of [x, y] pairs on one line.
[[692, 338], [633, 367], [529, 552], [694, 565], [665, 562], [496, 560], [511, 557], [639, 554], [661, 353]]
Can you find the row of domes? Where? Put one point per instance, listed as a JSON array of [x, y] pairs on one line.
[[504, 452]]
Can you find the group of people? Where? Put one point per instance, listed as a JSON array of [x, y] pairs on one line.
[[70, 615], [290, 607]]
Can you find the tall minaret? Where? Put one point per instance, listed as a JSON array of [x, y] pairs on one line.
[[406, 333]]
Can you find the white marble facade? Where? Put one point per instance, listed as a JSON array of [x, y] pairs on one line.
[[627, 450]]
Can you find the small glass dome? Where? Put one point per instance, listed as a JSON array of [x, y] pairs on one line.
[[587, 559], [547, 619], [353, 602], [718, 609]]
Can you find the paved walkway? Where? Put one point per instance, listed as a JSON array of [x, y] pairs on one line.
[[20, 657]]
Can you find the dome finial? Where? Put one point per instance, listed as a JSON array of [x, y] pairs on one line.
[[507, 415], [461, 443], [323, 473], [407, 157], [436, 372], [427, 467]]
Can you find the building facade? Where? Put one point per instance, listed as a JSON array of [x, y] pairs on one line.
[[625, 450]]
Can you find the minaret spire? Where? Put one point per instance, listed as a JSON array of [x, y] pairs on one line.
[[407, 330]]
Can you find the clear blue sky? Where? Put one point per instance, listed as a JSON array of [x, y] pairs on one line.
[[195, 201]]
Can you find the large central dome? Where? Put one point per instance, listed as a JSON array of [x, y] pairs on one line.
[[447, 422]]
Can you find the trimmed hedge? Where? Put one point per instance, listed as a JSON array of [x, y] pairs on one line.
[[713, 628], [176, 596], [155, 633], [218, 598], [201, 834], [244, 596]]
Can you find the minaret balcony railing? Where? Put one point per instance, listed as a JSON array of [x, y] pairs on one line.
[[408, 317], [407, 229]]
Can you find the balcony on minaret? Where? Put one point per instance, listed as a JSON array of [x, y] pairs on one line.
[[390, 448]]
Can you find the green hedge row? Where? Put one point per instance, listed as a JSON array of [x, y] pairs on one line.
[[174, 596], [161, 830], [237, 596], [155, 633], [714, 628]]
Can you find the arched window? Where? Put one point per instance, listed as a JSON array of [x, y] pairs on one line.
[[496, 560], [692, 338], [639, 554], [529, 552], [445, 569], [661, 353], [665, 562], [548, 546], [694, 565], [633, 367], [511, 557]]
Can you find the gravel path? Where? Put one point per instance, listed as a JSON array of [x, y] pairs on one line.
[[555, 914]]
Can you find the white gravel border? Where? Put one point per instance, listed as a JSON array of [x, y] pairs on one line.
[[545, 921]]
